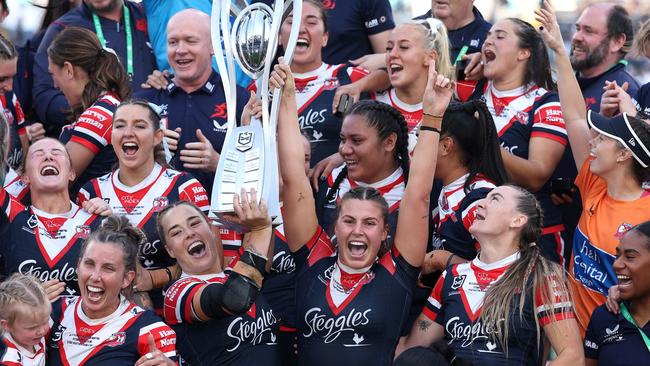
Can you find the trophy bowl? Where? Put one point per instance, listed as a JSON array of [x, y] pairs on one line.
[[251, 37]]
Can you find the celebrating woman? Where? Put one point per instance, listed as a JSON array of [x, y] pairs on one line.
[[365, 286], [94, 82], [220, 318], [613, 166], [142, 186], [528, 118], [102, 327], [494, 309]]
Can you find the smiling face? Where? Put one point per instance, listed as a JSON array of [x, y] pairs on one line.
[[632, 265], [406, 58], [590, 42], [134, 137], [501, 55], [608, 154], [102, 276], [67, 82], [497, 213], [367, 157], [360, 230], [29, 326], [189, 51], [458, 9], [47, 166], [190, 240], [311, 39]]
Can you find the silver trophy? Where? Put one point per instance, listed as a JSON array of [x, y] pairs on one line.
[[248, 34]]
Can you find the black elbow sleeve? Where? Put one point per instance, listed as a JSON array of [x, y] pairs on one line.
[[235, 296]]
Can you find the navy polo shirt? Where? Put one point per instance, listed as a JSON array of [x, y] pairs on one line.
[[203, 109], [592, 88], [613, 341], [472, 35], [350, 23], [51, 106], [642, 99]]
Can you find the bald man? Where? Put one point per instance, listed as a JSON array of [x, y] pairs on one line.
[[193, 103]]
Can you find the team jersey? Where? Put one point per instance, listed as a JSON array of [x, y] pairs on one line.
[[141, 204], [13, 113], [203, 109], [13, 354], [391, 188], [642, 99], [456, 303], [610, 336], [520, 115], [17, 187], [314, 95], [280, 285], [357, 326], [456, 213], [118, 339], [411, 112], [43, 245], [592, 88], [602, 223], [244, 339], [93, 131]]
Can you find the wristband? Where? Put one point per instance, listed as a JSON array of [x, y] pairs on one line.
[[254, 260], [449, 260], [431, 120], [429, 128]]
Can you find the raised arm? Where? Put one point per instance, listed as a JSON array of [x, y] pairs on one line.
[[412, 223], [298, 207], [572, 101]]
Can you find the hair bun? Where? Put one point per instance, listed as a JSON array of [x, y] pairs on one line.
[[120, 224]]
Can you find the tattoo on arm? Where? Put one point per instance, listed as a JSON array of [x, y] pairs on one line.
[[424, 325], [300, 197]]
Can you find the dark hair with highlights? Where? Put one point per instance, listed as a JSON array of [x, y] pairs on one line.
[[538, 68], [81, 47]]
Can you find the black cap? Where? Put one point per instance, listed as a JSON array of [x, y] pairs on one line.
[[619, 129]]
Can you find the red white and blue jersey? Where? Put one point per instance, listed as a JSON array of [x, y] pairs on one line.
[[456, 213], [242, 340], [13, 112], [411, 112], [356, 326], [41, 244], [93, 131], [13, 354], [119, 339], [391, 188], [314, 95], [612, 340], [141, 204], [17, 187], [456, 303], [279, 287]]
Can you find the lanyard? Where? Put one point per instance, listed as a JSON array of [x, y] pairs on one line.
[[129, 38], [629, 318], [462, 53]]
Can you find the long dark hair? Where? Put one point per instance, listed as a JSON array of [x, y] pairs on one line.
[[471, 126], [81, 48], [386, 120], [538, 68]]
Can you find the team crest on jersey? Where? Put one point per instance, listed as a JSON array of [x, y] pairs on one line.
[[522, 117], [622, 229], [331, 83], [159, 203], [245, 140], [83, 231], [329, 4], [117, 339], [458, 282], [32, 222]]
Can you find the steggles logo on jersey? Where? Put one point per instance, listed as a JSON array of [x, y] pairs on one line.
[[148, 249], [251, 331], [65, 274], [469, 333], [332, 327], [283, 262], [311, 118]]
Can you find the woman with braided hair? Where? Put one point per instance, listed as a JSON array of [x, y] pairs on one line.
[[374, 146], [501, 307], [469, 167], [352, 301]]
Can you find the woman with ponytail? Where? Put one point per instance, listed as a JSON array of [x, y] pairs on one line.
[[528, 119], [613, 160], [103, 326], [469, 167], [94, 82], [501, 307], [141, 186]]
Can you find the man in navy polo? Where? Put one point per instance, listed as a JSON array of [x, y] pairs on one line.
[[194, 103], [602, 39], [108, 19]]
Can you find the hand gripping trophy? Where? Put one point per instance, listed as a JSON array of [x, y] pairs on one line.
[[248, 34]]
